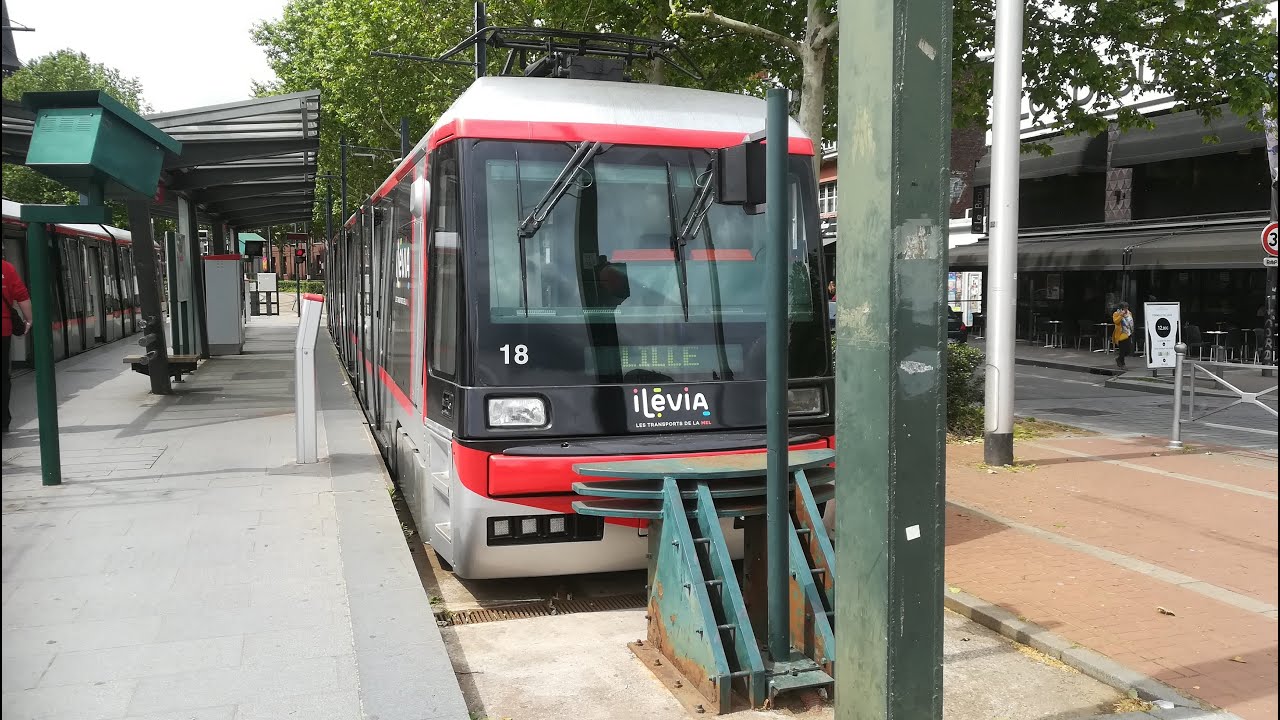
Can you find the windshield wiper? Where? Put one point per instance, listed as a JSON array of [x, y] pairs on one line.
[[689, 227], [692, 222], [524, 271], [581, 156], [530, 225], [678, 241]]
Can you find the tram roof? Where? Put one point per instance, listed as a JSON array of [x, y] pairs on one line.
[[558, 109], [13, 214], [534, 101]]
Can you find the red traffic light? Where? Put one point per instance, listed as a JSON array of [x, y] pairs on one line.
[[300, 253]]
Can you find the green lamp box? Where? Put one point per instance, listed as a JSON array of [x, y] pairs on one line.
[[86, 138]]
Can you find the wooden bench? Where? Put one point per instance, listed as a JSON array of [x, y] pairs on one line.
[[179, 365]]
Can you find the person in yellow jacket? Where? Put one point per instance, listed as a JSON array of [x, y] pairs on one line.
[[1123, 333]]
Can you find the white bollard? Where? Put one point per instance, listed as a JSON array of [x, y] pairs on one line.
[[1175, 438], [304, 349]]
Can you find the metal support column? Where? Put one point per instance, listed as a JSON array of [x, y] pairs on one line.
[[42, 341], [1269, 334], [199, 322], [177, 307], [342, 181], [219, 233], [482, 49], [330, 257], [894, 133], [144, 267], [1003, 263], [777, 514]]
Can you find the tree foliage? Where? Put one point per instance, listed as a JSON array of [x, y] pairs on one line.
[[1081, 58], [64, 70]]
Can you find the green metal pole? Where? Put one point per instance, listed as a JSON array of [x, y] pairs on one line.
[[42, 339], [894, 139], [777, 515]]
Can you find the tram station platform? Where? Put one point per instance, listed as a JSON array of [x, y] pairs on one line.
[[187, 567]]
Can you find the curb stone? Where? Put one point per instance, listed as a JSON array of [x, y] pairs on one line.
[[1093, 664], [1055, 365]]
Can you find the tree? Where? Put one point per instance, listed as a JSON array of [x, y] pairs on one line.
[[1200, 52], [327, 45], [805, 31], [64, 70]]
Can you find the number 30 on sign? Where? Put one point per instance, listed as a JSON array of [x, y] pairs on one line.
[[1269, 240]]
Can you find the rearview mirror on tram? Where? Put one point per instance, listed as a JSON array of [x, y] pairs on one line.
[[419, 197], [740, 176]]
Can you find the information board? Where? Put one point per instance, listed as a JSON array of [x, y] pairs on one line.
[[1162, 320]]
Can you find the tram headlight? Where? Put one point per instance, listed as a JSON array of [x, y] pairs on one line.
[[517, 412], [804, 401]]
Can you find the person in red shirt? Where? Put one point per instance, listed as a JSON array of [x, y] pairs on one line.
[[15, 295]]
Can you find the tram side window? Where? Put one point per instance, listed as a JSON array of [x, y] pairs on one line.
[[443, 263], [400, 285]]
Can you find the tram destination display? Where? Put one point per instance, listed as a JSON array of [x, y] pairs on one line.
[[687, 359]]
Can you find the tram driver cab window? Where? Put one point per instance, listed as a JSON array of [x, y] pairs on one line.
[[443, 263]]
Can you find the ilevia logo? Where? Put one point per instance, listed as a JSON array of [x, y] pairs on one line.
[[668, 408]]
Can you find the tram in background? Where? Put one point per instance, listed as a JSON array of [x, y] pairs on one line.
[[546, 280], [95, 295]]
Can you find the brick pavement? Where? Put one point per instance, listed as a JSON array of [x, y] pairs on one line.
[[1147, 506]]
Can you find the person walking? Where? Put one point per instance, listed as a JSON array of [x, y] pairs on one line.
[[1123, 333], [15, 295]]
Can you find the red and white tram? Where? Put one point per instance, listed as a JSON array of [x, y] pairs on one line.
[[527, 291]]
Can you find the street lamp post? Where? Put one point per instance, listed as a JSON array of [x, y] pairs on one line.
[[1006, 119]]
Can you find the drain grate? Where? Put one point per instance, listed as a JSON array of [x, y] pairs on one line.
[[540, 608]]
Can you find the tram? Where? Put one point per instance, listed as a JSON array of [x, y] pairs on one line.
[[546, 280], [95, 293]]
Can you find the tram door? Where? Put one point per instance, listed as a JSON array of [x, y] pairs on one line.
[[96, 321], [377, 311]]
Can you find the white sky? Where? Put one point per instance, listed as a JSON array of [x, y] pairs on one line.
[[187, 53]]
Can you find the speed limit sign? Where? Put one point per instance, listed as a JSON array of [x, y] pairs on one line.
[[1269, 238]]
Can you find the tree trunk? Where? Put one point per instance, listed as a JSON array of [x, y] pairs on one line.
[[656, 74], [814, 64]]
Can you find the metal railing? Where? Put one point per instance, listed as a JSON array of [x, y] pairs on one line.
[[1241, 397]]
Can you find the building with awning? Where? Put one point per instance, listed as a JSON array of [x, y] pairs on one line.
[[1172, 212]]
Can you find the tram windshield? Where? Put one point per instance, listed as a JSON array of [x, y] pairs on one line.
[[599, 246]]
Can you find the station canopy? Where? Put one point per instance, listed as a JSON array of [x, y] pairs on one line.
[[247, 164]]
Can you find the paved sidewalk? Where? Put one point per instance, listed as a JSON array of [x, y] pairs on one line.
[[1164, 562], [188, 568]]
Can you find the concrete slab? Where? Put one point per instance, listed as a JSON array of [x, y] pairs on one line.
[[188, 568], [578, 666]]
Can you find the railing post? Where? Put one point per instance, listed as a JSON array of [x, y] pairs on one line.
[[1175, 438]]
